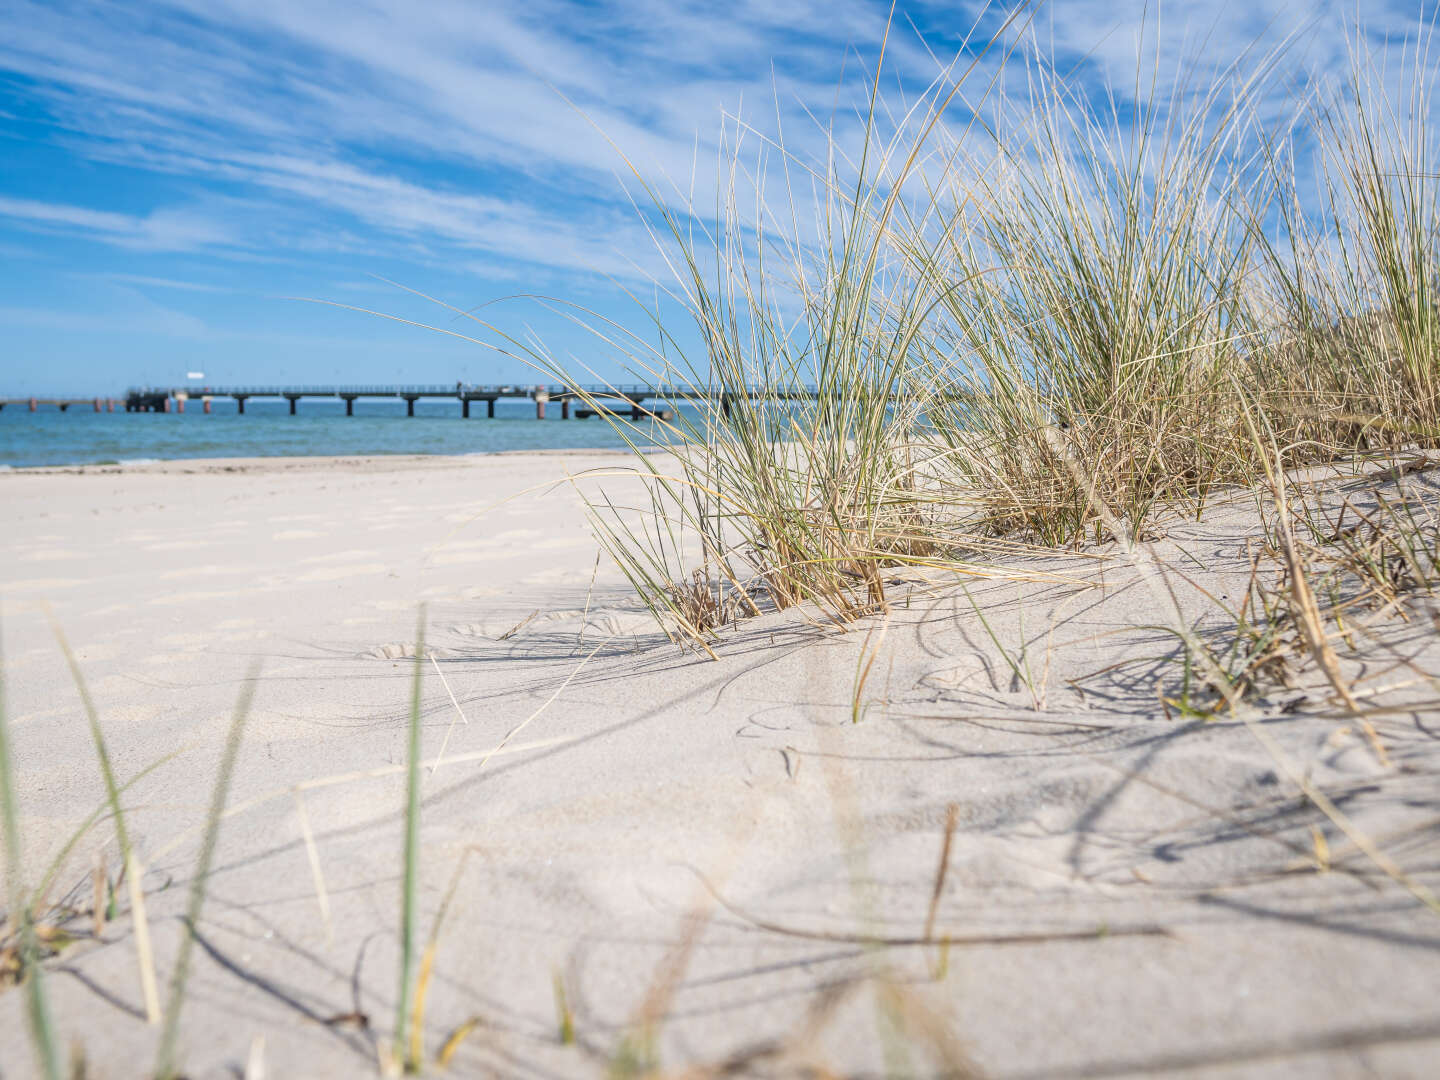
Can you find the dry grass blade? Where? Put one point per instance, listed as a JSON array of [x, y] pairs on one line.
[[863, 666], [459, 712], [500, 746], [879, 940], [100, 895], [1307, 612], [564, 1015], [427, 967], [508, 634], [952, 818], [255, 1059], [312, 854], [455, 1039], [445, 683]]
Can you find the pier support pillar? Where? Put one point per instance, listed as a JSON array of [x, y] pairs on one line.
[[490, 408], [240, 405], [34, 404], [349, 406], [292, 398], [465, 408], [205, 404], [541, 397], [409, 406], [179, 404], [565, 409], [168, 405], [110, 404], [635, 411], [97, 404]]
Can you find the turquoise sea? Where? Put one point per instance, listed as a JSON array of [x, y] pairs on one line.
[[321, 428]]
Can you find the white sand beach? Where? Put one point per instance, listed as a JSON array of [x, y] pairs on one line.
[[735, 856]]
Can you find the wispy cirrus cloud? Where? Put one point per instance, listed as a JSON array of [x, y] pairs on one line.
[[501, 129], [497, 132], [493, 142], [166, 229]]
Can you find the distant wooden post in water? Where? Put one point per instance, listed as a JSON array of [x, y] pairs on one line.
[[33, 402]]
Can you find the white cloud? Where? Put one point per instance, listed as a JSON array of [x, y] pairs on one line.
[[319, 104], [165, 229], [439, 131], [145, 281]]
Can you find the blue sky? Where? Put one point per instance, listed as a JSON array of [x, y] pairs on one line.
[[173, 170]]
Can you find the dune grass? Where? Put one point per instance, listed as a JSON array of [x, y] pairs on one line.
[[1002, 305]]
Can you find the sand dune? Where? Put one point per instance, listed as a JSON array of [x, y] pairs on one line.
[[1130, 889]]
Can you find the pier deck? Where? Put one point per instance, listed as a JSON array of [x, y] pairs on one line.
[[164, 399], [591, 399]]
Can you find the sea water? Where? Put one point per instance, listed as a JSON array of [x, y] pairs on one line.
[[320, 428]]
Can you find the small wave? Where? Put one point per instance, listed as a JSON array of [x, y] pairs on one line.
[[140, 461]]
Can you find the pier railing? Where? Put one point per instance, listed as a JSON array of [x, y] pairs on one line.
[[474, 390]]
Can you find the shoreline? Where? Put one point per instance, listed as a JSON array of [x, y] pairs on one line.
[[304, 462]]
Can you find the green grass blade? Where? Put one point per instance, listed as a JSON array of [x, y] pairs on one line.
[[130, 861], [165, 1057], [412, 857], [42, 1033]]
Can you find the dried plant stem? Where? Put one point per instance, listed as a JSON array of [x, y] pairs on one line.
[[317, 875], [952, 818]]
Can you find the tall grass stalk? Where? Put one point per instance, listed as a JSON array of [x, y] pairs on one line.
[[165, 1056], [410, 871], [132, 869], [37, 1010]]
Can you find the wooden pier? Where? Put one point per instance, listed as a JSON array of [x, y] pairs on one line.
[[582, 402], [607, 398]]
